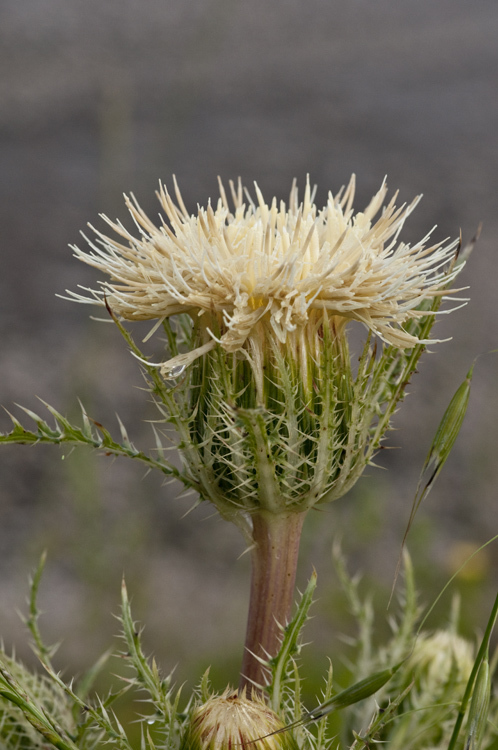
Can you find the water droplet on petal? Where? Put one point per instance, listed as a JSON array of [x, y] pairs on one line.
[[175, 372]]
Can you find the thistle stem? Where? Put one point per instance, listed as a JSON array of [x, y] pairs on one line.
[[274, 561]]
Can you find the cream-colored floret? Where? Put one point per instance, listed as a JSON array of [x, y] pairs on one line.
[[263, 267]]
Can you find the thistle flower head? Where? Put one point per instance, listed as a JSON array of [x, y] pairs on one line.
[[441, 664], [436, 676], [231, 721], [256, 270], [273, 413]]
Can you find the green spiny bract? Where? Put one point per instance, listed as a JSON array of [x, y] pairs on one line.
[[291, 431]]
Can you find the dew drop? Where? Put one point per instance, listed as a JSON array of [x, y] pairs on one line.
[[175, 372], [151, 721]]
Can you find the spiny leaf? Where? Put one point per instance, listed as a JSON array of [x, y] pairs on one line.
[[86, 682], [379, 721], [290, 641], [99, 714], [92, 433], [148, 676], [321, 735], [205, 686], [43, 652]]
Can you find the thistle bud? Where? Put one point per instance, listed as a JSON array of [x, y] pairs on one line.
[[440, 665], [231, 722]]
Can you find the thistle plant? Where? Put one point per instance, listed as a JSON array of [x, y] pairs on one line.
[[273, 413], [273, 416]]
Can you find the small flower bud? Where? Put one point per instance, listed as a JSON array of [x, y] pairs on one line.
[[231, 722], [440, 666]]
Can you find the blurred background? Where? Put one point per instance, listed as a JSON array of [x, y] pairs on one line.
[[97, 98]]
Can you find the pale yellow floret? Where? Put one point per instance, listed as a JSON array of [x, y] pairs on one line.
[[260, 267]]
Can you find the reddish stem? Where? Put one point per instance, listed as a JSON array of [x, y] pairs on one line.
[[274, 562]]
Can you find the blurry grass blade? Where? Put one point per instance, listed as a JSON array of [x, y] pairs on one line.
[[443, 442], [482, 655], [450, 581], [441, 447], [479, 707], [448, 430], [86, 682], [354, 694]]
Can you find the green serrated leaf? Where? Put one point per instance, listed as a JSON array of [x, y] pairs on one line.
[[290, 642], [147, 674], [98, 438]]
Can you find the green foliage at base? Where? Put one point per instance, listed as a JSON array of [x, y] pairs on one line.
[[421, 690]]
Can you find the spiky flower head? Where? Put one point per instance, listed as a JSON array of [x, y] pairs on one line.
[[231, 721], [435, 677], [440, 666], [274, 413]]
